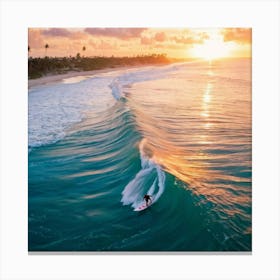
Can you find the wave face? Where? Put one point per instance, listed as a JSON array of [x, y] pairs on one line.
[[56, 108], [181, 133], [198, 128]]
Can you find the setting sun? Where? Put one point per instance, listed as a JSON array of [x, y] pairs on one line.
[[212, 48], [182, 43]]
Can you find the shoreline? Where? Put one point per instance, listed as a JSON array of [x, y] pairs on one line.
[[56, 78]]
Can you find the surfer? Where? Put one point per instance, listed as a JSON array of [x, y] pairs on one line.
[[147, 198]]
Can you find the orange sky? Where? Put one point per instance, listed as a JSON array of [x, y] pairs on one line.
[[178, 43]]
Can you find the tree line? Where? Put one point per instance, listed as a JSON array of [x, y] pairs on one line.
[[38, 67]]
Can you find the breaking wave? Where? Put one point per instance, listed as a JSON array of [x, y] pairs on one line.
[[149, 180]]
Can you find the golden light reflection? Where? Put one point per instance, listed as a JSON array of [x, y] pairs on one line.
[[190, 167], [204, 114], [206, 102], [207, 92], [207, 97], [179, 144], [204, 140], [208, 125]]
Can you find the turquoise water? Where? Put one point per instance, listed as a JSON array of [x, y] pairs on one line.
[[181, 133]]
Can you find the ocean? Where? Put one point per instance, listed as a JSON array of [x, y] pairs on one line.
[[180, 132]]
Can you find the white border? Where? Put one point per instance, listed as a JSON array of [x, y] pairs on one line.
[[262, 16]]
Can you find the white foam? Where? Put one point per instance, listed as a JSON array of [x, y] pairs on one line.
[[142, 74], [74, 80], [140, 185], [54, 109]]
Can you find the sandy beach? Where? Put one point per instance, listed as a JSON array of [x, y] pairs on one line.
[[55, 78], [51, 79]]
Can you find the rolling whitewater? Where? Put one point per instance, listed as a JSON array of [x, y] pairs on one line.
[[180, 133]]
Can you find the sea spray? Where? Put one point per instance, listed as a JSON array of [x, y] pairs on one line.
[[149, 180]]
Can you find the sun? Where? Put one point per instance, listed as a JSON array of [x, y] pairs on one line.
[[212, 48]]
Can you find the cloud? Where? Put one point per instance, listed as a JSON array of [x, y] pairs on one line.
[[149, 40], [93, 44], [102, 44], [35, 39], [146, 40], [190, 39], [105, 45], [239, 35], [120, 33], [64, 32], [56, 32], [77, 35], [160, 37]]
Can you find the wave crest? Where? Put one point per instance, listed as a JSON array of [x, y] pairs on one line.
[[149, 180]]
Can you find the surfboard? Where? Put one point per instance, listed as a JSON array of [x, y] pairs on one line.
[[143, 206]]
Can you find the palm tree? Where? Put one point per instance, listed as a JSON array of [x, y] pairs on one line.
[[46, 47], [28, 50], [84, 48]]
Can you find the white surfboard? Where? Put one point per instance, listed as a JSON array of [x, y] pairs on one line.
[[143, 206]]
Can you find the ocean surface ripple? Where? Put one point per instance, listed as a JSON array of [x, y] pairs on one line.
[[181, 133]]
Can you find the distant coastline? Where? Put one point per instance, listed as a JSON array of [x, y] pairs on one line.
[[49, 70], [39, 67], [52, 78], [53, 69]]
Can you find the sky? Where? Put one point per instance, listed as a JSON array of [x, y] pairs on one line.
[[176, 43]]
